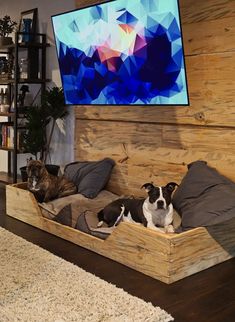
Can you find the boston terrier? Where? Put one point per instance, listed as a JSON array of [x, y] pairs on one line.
[[153, 212]]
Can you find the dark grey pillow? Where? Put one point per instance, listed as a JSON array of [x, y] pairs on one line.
[[90, 177], [204, 197], [64, 216], [87, 223]]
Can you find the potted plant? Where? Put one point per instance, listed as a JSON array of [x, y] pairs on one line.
[[7, 26], [53, 104], [40, 126], [34, 138]]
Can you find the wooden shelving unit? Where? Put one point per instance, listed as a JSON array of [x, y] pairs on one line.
[[7, 178], [36, 57], [10, 114], [23, 81]]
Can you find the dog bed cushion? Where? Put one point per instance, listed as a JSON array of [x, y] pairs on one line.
[[79, 212], [204, 197], [87, 222], [90, 177]]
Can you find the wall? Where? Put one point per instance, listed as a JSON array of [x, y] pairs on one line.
[[155, 143], [62, 145]]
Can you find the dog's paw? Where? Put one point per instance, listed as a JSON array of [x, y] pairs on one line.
[[160, 230], [100, 224], [169, 229]]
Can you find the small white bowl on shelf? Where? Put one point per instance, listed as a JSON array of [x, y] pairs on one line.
[[4, 108]]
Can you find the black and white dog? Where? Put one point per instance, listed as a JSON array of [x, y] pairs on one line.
[[153, 212]]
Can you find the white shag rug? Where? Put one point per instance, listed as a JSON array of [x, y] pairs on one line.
[[37, 286]]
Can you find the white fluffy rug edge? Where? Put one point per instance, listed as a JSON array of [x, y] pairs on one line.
[[36, 285]]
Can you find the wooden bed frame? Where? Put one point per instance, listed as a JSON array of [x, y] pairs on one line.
[[155, 143], [166, 257]]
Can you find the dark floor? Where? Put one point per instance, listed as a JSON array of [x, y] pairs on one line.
[[207, 296]]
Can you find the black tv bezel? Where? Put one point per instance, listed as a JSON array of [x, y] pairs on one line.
[[138, 105]]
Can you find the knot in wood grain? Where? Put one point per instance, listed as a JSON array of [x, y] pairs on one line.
[[200, 116]]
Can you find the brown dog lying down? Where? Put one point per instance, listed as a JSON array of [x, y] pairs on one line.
[[44, 185]]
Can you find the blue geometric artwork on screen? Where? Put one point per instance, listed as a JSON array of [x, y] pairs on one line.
[[123, 52]]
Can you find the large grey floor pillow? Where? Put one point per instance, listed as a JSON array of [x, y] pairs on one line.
[[204, 197], [90, 177]]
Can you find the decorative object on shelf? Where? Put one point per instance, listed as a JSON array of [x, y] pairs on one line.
[[23, 68], [24, 89], [4, 101], [1, 96], [6, 67], [1, 99], [4, 108], [3, 68], [6, 97], [26, 37], [10, 66], [27, 26], [7, 26]]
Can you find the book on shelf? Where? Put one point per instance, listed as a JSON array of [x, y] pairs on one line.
[[4, 133], [7, 136]]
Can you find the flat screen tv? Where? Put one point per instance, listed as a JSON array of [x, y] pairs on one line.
[[122, 52]]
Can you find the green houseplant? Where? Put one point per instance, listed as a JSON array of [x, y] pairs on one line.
[[34, 140], [40, 125], [7, 26], [52, 104]]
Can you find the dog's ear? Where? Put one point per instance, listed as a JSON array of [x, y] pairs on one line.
[[171, 186], [28, 166], [147, 186], [28, 160], [28, 170]]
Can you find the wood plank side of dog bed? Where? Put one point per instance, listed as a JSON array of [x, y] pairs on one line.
[[201, 248], [135, 246], [21, 204], [140, 248], [145, 253], [166, 257]]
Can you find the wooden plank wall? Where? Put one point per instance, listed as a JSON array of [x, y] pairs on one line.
[[155, 143]]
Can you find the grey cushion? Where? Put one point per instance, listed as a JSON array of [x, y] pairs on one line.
[[87, 223], [90, 177], [64, 216], [204, 197]]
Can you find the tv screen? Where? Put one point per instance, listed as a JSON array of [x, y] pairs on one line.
[[122, 52]]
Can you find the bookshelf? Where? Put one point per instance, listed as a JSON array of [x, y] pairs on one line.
[[11, 132]]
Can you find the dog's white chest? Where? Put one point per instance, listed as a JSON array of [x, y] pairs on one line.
[[34, 184], [162, 217], [159, 217]]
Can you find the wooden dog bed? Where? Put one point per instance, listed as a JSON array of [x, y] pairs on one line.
[[166, 257]]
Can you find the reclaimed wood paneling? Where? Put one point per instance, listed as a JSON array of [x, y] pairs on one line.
[[201, 10], [106, 135], [153, 152], [84, 3], [209, 36]]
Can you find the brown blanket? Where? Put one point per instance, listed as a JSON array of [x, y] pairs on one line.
[[79, 212]]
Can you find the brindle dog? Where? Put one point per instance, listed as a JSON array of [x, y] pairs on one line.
[[44, 185]]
